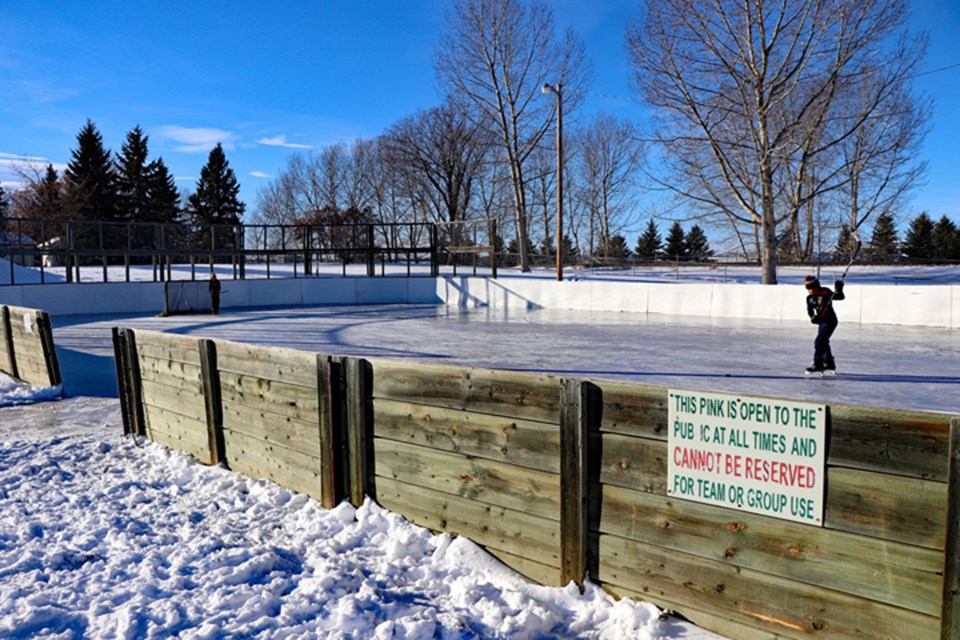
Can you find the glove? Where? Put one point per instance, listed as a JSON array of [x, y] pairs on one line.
[[839, 286]]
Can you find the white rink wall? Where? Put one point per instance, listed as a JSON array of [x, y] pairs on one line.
[[927, 305], [924, 305]]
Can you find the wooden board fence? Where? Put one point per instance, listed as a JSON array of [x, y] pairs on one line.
[[26, 346], [563, 479]]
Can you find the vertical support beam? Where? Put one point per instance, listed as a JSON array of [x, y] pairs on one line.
[[330, 399], [950, 611], [123, 390], [45, 328], [212, 400], [358, 417], [11, 364], [574, 424], [134, 384]]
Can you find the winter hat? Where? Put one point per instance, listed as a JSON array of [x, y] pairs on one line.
[[811, 282]]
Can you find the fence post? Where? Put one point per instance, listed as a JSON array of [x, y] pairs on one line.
[[212, 400], [950, 611], [123, 390], [574, 425], [332, 459], [49, 350], [371, 256], [8, 342], [357, 374], [129, 383]]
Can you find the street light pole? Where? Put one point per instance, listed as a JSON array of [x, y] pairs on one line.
[[557, 92]]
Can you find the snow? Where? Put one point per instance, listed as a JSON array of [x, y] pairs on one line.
[[113, 537], [109, 537]]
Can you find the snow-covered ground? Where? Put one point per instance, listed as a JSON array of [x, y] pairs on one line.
[[104, 536]]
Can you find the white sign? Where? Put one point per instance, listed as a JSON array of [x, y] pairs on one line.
[[27, 325], [760, 455]]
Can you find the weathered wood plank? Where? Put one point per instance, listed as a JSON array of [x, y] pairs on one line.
[[267, 449], [950, 605], [270, 396], [895, 508], [177, 431], [541, 573], [894, 573], [910, 443], [718, 624], [505, 393], [358, 419], [769, 602], [171, 373], [285, 467], [184, 350], [268, 363], [515, 532], [521, 442], [181, 401], [279, 430], [574, 424], [493, 483]]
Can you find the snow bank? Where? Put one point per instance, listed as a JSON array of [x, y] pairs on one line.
[[14, 393], [107, 537]]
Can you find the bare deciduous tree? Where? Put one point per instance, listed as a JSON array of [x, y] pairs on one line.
[[748, 96], [494, 56], [609, 160]]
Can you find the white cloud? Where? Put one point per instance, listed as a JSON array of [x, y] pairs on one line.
[[260, 174], [12, 164], [196, 139], [281, 141]]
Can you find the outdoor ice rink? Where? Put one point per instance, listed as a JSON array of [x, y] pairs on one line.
[[879, 365]]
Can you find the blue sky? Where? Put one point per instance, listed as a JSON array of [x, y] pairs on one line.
[[271, 79]]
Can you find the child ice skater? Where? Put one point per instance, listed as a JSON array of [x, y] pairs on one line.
[[820, 309]]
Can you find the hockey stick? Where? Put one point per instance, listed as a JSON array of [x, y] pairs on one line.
[[856, 250]]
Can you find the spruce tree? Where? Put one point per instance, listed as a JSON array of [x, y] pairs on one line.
[[919, 242], [89, 177], [649, 245], [132, 178], [216, 201], [676, 248], [945, 240], [616, 247], [883, 242], [164, 200], [698, 248], [48, 197]]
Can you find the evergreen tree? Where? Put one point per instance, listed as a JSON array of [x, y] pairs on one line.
[[48, 197], [945, 240], [846, 245], [164, 200], [89, 177], [676, 248], [132, 178], [216, 198], [883, 242], [698, 248], [919, 242], [571, 253], [616, 247], [649, 245], [215, 201]]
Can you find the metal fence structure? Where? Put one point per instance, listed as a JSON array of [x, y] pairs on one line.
[[78, 251]]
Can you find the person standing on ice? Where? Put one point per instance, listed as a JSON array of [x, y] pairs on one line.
[[820, 309], [214, 288]]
